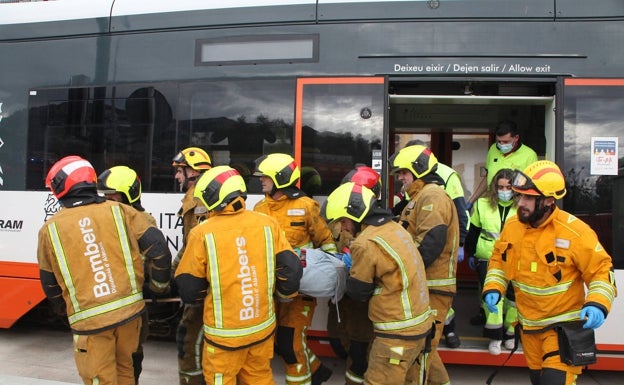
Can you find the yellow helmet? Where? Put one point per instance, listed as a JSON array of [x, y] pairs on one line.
[[219, 186], [349, 200], [541, 178], [193, 157], [281, 168], [120, 179], [419, 160]]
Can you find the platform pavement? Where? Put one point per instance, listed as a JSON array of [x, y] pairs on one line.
[[44, 357]]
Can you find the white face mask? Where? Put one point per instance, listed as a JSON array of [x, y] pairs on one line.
[[505, 195], [505, 148]]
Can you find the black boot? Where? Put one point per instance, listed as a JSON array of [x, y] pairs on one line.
[[321, 375]]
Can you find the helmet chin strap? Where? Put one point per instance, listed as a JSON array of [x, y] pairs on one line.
[[184, 186]]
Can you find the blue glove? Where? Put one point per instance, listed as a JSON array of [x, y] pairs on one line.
[[595, 317], [345, 258], [491, 299], [472, 262], [460, 254]]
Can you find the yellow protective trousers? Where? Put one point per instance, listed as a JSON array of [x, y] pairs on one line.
[[105, 358], [190, 338], [246, 366], [537, 345], [395, 361], [294, 319]]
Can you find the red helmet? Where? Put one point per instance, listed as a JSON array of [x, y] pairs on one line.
[[364, 176], [69, 173]]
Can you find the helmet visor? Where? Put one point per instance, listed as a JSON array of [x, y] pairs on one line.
[[523, 184]]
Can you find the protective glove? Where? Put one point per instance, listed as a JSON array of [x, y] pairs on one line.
[[460, 254], [345, 258], [595, 317], [472, 262], [491, 299]]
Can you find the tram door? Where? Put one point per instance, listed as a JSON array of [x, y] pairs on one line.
[[459, 129], [339, 122]]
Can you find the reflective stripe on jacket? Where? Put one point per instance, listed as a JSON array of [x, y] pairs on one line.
[[429, 216], [94, 253], [488, 219], [549, 267], [386, 256], [300, 218], [235, 252]]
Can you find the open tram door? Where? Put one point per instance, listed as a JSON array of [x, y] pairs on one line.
[[457, 120]]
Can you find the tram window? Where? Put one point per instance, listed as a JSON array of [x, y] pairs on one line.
[[109, 126], [257, 50], [238, 121], [342, 125], [594, 112]]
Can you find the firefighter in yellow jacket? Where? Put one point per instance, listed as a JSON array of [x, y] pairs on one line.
[[122, 184], [299, 217], [431, 218], [189, 164], [389, 272], [233, 263], [550, 257], [89, 257], [348, 326]]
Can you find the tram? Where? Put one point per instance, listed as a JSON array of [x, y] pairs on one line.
[[333, 82]]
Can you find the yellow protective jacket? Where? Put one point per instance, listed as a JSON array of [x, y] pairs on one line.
[[431, 218], [388, 269], [548, 267], [300, 218], [192, 212], [488, 219], [519, 159], [91, 256], [234, 261]]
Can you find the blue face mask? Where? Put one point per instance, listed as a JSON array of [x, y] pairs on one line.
[[505, 148], [505, 195]]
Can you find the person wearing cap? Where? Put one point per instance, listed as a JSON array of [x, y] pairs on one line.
[[122, 184], [431, 218], [348, 326], [234, 262], [189, 165], [299, 217], [388, 272], [90, 261], [507, 152], [559, 271]]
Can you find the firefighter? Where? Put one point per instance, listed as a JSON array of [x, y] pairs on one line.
[[299, 216], [451, 181], [389, 272], [549, 257], [349, 328], [234, 262], [431, 218], [189, 165], [122, 184], [89, 257]]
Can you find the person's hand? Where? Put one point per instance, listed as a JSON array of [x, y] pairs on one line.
[[595, 317], [345, 257], [491, 299], [460, 254], [472, 262]]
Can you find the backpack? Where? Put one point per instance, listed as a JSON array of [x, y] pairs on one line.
[[323, 275]]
